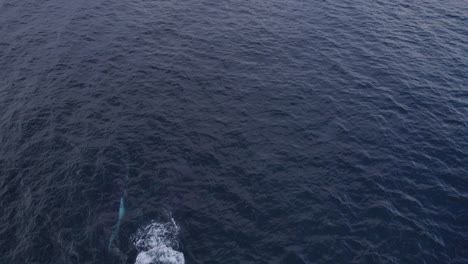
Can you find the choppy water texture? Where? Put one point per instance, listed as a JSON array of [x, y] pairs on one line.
[[271, 131]]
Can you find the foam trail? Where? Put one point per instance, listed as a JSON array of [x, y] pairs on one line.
[[155, 244]]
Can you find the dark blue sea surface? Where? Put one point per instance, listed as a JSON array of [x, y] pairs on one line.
[[247, 131]]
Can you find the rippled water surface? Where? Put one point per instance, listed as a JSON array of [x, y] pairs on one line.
[[247, 131]]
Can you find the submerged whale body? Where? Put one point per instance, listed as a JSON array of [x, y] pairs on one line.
[[160, 255], [117, 226], [114, 255]]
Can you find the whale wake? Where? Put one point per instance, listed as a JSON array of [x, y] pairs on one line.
[[156, 242]]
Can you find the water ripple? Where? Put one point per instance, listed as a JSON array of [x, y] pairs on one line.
[[276, 132]]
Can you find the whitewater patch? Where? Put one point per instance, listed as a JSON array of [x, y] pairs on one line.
[[156, 242]]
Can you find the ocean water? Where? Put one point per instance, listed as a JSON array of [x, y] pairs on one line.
[[248, 131]]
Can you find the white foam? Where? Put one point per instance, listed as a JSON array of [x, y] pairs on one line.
[[156, 243]]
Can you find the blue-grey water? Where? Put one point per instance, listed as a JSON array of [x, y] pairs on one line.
[[248, 131]]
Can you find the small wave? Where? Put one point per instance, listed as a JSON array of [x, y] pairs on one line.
[[156, 242]]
